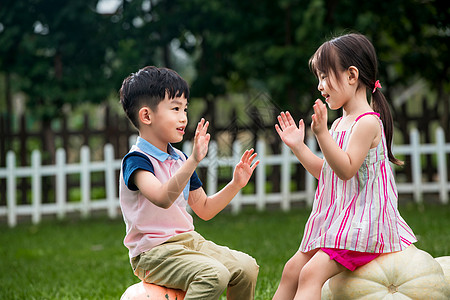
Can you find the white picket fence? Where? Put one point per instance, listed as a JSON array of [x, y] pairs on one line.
[[285, 198]]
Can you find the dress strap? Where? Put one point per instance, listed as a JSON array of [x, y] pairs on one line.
[[338, 121], [367, 113], [362, 115]]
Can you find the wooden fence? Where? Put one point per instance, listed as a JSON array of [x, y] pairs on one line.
[[85, 202]]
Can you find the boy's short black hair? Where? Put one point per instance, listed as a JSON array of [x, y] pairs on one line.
[[148, 87]]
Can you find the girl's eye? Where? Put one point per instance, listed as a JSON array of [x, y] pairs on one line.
[[176, 108]]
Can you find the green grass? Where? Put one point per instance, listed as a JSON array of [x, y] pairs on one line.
[[85, 259]]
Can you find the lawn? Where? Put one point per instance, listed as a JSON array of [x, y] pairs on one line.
[[85, 259]]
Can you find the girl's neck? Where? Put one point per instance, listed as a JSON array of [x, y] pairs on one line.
[[356, 106]]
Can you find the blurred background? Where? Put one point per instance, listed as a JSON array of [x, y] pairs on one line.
[[61, 67], [62, 64]]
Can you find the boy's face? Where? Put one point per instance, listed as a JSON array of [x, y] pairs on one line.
[[169, 121]]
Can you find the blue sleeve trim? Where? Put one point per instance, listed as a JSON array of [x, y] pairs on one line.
[[195, 182], [132, 162]]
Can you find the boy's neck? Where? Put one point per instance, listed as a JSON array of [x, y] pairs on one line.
[[161, 146]]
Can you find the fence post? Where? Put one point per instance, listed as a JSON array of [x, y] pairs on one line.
[[236, 203], [310, 179], [260, 177], [85, 181], [61, 183], [11, 189], [110, 180], [442, 165], [211, 169], [36, 186], [285, 178], [416, 165]]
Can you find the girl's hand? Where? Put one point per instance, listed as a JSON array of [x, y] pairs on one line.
[[201, 141], [244, 169], [289, 133], [319, 118]]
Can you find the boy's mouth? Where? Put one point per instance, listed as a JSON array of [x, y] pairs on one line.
[[181, 129]]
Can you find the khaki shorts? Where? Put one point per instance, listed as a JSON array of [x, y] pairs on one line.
[[200, 267]]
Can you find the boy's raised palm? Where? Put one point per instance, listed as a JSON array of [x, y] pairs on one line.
[[201, 140], [244, 169]]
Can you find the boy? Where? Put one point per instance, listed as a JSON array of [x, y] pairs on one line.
[[157, 182]]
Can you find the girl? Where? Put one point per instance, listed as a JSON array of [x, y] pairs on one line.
[[354, 216]]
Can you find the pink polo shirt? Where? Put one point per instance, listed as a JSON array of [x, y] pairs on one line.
[[148, 225]]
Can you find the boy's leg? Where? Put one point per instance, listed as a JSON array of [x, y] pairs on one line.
[[291, 272], [242, 267], [177, 264]]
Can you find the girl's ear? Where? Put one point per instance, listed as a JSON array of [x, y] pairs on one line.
[[145, 115], [353, 74]]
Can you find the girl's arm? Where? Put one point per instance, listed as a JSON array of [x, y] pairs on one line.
[[293, 137], [206, 207], [365, 134], [163, 195]]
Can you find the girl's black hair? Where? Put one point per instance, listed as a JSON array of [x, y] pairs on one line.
[[356, 50]]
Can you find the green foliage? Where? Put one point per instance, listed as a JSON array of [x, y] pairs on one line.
[[65, 52], [76, 259]]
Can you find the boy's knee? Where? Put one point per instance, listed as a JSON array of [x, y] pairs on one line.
[[215, 276], [245, 271], [250, 268]]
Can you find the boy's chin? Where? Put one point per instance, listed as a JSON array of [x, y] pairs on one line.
[[174, 141]]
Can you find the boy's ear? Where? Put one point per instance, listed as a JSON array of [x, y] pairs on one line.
[[145, 115], [353, 74]]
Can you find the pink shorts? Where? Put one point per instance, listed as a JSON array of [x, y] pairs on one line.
[[350, 259]]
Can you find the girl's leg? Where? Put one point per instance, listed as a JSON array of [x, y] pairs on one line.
[[291, 272], [314, 274]]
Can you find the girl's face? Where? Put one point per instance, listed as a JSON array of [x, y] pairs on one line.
[[334, 89]]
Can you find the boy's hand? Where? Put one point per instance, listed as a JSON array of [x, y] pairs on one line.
[[244, 169], [288, 131], [319, 118], [201, 141]]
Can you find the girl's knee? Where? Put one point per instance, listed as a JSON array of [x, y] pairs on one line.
[[310, 274], [291, 269]]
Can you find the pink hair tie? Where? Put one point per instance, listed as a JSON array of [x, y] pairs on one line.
[[377, 85]]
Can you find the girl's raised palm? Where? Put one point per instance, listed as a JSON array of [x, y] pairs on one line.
[[288, 131]]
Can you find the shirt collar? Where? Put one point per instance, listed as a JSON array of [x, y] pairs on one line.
[[148, 148]]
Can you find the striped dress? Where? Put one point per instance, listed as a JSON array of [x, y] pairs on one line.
[[358, 214]]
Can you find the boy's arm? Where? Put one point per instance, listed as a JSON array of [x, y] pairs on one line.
[[163, 195], [206, 207], [293, 137]]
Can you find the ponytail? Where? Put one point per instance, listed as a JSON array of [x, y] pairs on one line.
[[380, 105]]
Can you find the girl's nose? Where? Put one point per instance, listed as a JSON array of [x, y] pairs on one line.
[[319, 86]]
